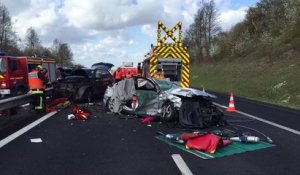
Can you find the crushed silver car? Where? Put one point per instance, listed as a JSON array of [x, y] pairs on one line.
[[143, 97]]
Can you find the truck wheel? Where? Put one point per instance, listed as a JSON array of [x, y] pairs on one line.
[[168, 112], [19, 91]]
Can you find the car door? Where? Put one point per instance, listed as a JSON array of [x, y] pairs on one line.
[[148, 97]]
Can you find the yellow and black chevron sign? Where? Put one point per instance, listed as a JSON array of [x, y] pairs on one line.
[[169, 33], [169, 52]]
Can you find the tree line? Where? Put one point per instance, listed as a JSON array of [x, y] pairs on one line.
[[31, 46], [269, 25]]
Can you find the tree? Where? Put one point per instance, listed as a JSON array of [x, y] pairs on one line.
[[32, 43], [65, 55], [62, 53], [8, 38], [211, 26], [199, 36]]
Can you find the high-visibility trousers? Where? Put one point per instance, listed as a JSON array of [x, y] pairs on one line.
[[39, 99]]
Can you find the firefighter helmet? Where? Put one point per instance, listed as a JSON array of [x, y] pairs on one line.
[[39, 67]]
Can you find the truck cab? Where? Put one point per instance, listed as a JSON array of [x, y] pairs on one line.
[[13, 76], [14, 73]]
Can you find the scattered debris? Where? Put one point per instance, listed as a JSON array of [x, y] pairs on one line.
[[79, 113], [36, 140], [57, 104], [147, 120], [71, 116]]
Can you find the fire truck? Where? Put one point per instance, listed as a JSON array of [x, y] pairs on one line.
[[170, 55], [127, 70], [14, 73]]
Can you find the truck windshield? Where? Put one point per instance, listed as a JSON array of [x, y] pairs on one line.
[[2, 65]]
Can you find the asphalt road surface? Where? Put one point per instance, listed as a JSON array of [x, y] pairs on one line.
[[107, 144]]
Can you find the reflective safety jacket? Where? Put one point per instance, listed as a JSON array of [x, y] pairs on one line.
[[35, 83]]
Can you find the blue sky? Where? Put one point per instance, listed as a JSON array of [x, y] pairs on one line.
[[111, 31]]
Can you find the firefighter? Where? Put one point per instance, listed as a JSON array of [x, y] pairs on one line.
[[38, 79], [159, 73]]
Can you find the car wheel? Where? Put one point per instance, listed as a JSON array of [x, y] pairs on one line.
[[88, 96], [168, 112], [127, 108], [110, 104]]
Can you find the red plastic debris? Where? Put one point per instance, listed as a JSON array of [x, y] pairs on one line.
[[80, 113], [147, 120]]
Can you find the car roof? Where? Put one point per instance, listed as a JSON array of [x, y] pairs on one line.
[[102, 65]]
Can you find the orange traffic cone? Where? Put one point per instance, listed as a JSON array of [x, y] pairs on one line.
[[231, 107]]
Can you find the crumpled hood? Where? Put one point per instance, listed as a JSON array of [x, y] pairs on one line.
[[190, 92], [174, 99]]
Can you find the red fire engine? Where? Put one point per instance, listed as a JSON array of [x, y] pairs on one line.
[[14, 73]]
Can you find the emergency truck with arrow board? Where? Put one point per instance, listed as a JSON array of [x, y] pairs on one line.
[[14, 73], [172, 57]]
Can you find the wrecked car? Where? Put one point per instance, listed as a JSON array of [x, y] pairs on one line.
[[63, 72], [168, 101], [83, 84]]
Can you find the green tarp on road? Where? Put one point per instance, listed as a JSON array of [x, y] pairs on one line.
[[234, 148]]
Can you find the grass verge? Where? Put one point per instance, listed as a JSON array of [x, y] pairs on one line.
[[274, 81]]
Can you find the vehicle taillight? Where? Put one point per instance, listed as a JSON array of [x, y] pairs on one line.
[[3, 85]]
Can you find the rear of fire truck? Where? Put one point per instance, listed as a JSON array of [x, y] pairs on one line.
[[170, 55]]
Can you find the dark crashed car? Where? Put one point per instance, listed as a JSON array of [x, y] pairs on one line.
[[164, 99], [83, 84]]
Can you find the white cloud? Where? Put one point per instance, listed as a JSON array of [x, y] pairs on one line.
[[100, 30], [100, 15], [109, 49], [229, 18], [149, 30], [39, 16]]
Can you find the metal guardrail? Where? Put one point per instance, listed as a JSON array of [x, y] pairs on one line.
[[18, 100]]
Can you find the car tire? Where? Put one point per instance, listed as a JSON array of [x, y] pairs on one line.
[[88, 96], [169, 112], [127, 108], [110, 104]]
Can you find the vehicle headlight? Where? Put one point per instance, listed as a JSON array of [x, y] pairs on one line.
[[3, 85]]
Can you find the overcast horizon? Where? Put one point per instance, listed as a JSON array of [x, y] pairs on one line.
[[121, 30]]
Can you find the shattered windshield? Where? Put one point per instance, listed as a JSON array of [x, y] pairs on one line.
[[165, 85], [2, 65]]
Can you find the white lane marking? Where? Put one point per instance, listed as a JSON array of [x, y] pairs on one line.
[[25, 129], [184, 169], [263, 120]]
